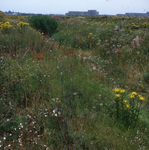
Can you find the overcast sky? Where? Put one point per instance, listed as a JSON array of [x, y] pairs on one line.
[[63, 6]]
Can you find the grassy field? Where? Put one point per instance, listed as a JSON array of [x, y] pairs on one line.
[[86, 87]]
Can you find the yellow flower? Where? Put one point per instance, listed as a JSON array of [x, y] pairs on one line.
[[7, 23], [125, 101], [142, 98], [127, 106], [134, 93], [90, 35], [117, 95], [131, 96], [122, 91], [116, 89]]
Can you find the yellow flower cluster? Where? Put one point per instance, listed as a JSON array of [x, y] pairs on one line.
[[145, 24], [110, 24], [120, 18], [126, 104], [22, 24], [134, 26], [5, 25], [119, 90], [15, 17], [136, 95]]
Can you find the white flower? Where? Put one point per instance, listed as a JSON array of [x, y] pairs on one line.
[[19, 140], [59, 112], [45, 115], [94, 68], [53, 99], [54, 111], [56, 115], [75, 93], [8, 119], [4, 138]]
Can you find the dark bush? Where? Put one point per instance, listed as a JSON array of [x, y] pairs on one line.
[[44, 24]]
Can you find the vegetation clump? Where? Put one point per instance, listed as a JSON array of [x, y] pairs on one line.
[[44, 24], [2, 15]]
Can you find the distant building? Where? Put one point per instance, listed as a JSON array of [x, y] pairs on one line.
[[14, 13], [134, 14], [89, 12]]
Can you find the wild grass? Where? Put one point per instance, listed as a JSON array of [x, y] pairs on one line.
[[57, 93]]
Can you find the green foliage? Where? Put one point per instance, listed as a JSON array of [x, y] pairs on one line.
[[44, 24], [2, 15]]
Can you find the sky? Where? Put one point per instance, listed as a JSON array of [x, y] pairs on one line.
[[107, 7]]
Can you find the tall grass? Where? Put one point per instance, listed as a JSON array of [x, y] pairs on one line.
[[57, 94]]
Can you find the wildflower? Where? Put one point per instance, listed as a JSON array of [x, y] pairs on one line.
[[131, 96], [117, 95], [127, 106], [122, 91], [125, 101], [53, 99], [142, 98], [90, 35], [134, 93], [117, 90]]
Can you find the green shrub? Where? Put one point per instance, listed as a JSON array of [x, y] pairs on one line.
[[44, 24]]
